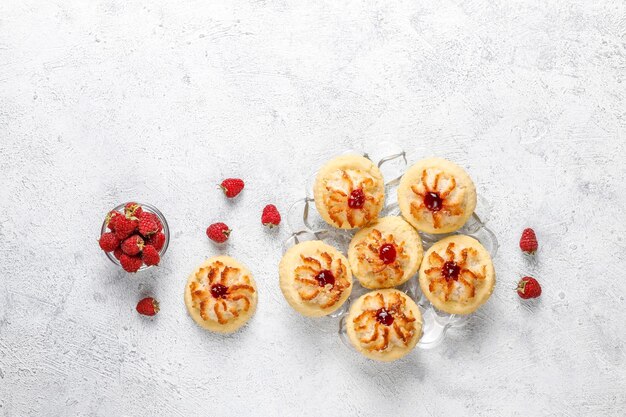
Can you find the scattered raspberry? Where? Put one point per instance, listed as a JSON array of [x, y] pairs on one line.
[[108, 242], [118, 253], [232, 187], [148, 306], [147, 225], [111, 218], [132, 245], [130, 263], [270, 216], [528, 241], [528, 287], [150, 255], [218, 232], [157, 240], [132, 210], [124, 227]]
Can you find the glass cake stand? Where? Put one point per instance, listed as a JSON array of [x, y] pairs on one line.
[[306, 224]]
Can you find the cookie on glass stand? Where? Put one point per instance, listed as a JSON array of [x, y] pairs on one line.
[[436, 196], [384, 325], [221, 295], [315, 278], [386, 253], [457, 275], [349, 191]]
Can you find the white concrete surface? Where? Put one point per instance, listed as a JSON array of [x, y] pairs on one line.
[[109, 100]]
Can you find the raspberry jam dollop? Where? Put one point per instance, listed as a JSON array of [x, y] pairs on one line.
[[387, 253], [356, 199], [450, 270], [325, 277], [432, 201], [218, 290], [384, 317]]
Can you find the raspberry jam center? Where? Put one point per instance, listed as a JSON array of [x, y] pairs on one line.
[[450, 270], [356, 199], [384, 317], [218, 290], [325, 277], [432, 201], [387, 253]]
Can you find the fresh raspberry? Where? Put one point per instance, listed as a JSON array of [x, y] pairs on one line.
[[108, 242], [147, 225], [148, 306], [124, 227], [157, 240], [153, 217], [150, 255], [130, 263], [528, 287], [528, 241], [132, 210], [232, 187], [111, 218], [118, 253], [218, 232], [132, 245], [270, 216]]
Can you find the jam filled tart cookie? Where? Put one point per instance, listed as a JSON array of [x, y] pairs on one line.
[[386, 253], [349, 191], [436, 196], [384, 325], [315, 278], [221, 295], [457, 275]]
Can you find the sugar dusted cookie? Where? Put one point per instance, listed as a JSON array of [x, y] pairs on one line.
[[384, 325], [386, 253], [315, 278], [457, 275], [436, 196], [221, 295], [349, 191]]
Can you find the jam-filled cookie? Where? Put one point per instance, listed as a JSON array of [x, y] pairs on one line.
[[436, 196], [349, 191], [315, 278], [221, 295], [386, 253], [384, 325], [457, 275]]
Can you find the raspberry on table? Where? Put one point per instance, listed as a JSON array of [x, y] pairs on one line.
[[232, 187], [218, 232], [270, 216]]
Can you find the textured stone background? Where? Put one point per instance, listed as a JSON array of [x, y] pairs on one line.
[[109, 100]]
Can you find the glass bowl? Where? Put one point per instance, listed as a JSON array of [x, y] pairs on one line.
[[150, 209]]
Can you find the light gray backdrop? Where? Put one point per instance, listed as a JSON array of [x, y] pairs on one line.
[[109, 100]]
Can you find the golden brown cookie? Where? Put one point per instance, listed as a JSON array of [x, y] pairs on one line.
[[221, 295], [384, 325], [386, 253], [349, 191], [457, 275], [436, 196], [315, 278]]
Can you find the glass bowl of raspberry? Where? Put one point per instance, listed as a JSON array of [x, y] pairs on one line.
[[140, 225]]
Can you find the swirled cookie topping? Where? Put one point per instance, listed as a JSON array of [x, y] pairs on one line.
[[385, 321], [220, 292], [321, 279]]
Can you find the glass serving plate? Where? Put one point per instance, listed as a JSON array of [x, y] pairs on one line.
[[306, 224]]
